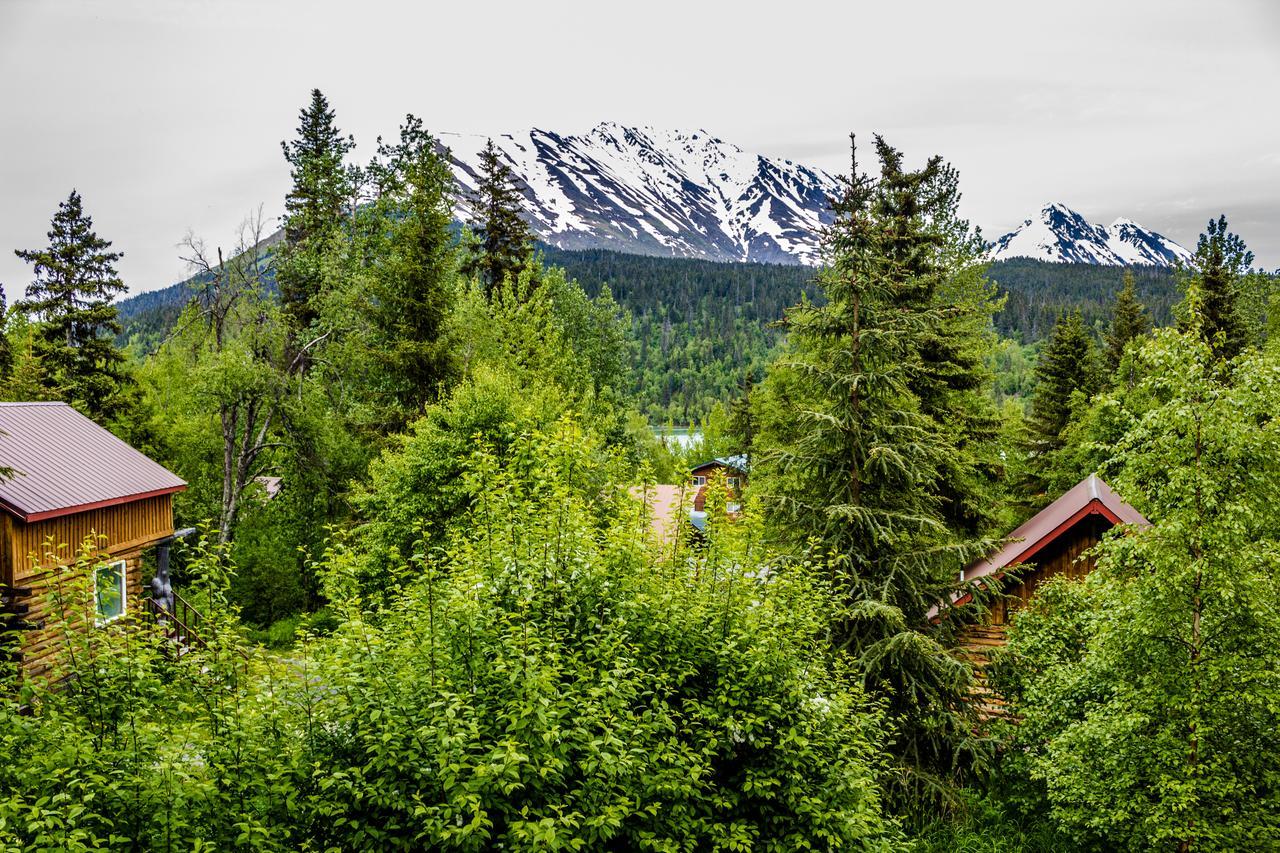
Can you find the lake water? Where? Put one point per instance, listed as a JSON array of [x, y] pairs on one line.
[[682, 437]]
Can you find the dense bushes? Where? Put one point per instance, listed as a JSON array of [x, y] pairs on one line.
[[1149, 694], [540, 684]]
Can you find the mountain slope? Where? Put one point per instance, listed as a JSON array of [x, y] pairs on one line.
[[682, 194], [1060, 235]]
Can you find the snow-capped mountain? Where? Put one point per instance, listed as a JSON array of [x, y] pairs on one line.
[[1061, 235], [689, 194], [659, 192]]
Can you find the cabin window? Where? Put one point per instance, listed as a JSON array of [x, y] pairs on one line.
[[108, 591], [733, 482], [699, 480]]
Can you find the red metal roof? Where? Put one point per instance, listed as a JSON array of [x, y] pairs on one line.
[[66, 463], [1091, 496]]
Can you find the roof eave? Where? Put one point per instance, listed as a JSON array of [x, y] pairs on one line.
[[31, 517]]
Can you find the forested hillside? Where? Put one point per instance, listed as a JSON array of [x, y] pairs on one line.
[[1040, 291], [700, 327]]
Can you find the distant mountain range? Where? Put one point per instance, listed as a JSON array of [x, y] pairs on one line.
[[688, 194], [671, 193], [1060, 235]]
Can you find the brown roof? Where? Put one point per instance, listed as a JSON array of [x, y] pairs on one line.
[[66, 463], [1091, 496]]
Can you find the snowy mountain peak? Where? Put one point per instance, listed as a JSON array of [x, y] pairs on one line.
[[688, 193], [681, 193], [1061, 235]]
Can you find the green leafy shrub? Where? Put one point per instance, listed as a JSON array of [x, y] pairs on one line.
[[540, 682], [544, 686], [1149, 694]]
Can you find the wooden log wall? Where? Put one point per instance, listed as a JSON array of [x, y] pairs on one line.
[[123, 532], [1064, 557]]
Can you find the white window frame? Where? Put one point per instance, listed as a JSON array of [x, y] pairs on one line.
[[732, 482], [124, 591], [699, 480]]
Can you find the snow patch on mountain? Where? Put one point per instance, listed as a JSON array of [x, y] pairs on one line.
[[1060, 235], [658, 192]]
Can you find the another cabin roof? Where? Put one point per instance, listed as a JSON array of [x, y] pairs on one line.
[[1091, 496], [737, 463], [66, 463]]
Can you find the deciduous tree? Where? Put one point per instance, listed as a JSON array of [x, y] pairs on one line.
[[1148, 695]]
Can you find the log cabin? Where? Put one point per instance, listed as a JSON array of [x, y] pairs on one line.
[[735, 470], [1055, 541], [73, 481]]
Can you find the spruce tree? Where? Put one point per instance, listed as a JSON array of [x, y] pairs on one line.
[[1068, 363], [314, 207], [1220, 264], [853, 463], [504, 243], [936, 274], [413, 281], [742, 422], [1128, 321], [71, 300], [6, 348]]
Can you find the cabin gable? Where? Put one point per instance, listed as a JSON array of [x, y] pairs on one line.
[[1056, 541], [734, 471]]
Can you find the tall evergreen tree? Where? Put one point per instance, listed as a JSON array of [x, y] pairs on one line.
[[6, 348], [1213, 289], [936, 274], [505, 244], [71, 300], [413, 280], [314, 207], [853, 464], [1068, 364], [1128, 321], [742, 421]]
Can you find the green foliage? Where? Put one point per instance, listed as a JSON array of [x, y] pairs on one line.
[[984, 824], [1068, 374], [1038, 293], [411, 278], [1128, 321], [314, 208], [1212, 289], [504, 244], [1148, 694], [700, 327], [415, 488], [865, 424], [70, 301], [543, 685], [1012, 366], [6, 348]]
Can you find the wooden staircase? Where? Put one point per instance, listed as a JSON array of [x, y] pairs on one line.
[[182, 625]]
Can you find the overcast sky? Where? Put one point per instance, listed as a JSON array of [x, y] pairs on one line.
[[167, 115]]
